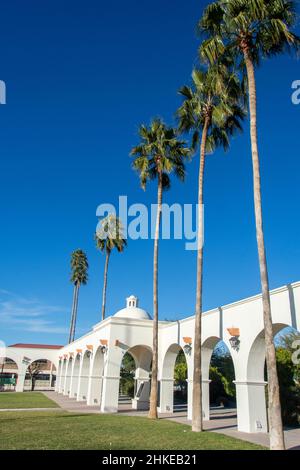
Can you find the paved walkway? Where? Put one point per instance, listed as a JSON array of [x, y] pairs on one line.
[[222, 421], [30, 409]]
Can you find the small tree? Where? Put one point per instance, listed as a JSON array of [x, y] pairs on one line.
[[33, 370]]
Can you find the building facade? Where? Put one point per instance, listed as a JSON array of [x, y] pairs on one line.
[[89, 368]]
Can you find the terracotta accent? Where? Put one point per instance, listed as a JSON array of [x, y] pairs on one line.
[[187, 340], [234, 331], [79, 351], [104, 342], [90, 347]]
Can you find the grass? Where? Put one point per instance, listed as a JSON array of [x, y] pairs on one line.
[[61, 430], [11, 400]]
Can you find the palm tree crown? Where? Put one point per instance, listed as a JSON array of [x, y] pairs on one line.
[[258, 28], [79, 266], [214, 97], [110, 234], [159, 152]]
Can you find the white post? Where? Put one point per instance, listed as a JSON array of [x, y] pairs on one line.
[[94, 390], [22, 368], [190, 398], [110, 394], [166, 395], [205, 399], [251, 406]]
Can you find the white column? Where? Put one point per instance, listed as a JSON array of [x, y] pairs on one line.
[[205, 399], [166, 395], [110, 394], [189, 399], [58, 377], [62, 378], [142, 401], [94, 390], [22, 368], [251, 406], [82, 390], [50, 376]]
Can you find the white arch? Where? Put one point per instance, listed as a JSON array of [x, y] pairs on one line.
[[68, 376], [84, 374], [96, 376], [75, 376]]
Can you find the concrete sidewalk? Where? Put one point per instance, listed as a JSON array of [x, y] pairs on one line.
[[222, 421]]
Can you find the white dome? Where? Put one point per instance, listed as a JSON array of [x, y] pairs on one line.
[[132, 310]]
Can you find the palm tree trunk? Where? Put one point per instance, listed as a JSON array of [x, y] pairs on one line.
[[197, 424], [77, 285], [105, 284], [72, 315], [275, 420], [153, 394]]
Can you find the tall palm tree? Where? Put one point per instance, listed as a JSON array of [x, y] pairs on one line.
[[109, 236], [79, 276], [249, 30], [159, 154], [211, 110]]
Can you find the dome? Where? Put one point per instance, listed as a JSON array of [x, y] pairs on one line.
[[132, 310]]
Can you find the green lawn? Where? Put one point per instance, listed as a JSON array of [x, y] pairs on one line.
[[61, 430], [11, 400]]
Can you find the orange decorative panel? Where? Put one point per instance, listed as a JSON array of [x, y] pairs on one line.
[[234, 331], [79, 351], [103, 342], [89, 347], [187, 340]]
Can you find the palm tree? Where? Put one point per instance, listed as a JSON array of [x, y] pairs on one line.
[[79, 266], [109, 236], [249, 30], [158, 155], [210, 109]]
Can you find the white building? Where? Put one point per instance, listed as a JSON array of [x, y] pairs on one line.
[[89, 368]]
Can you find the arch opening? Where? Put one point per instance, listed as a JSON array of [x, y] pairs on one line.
[[68, 376], [8, 374], [75, 377], [173, 385], [96, 378], [218, 375], [135, 380], [83, 379], [40, 375]]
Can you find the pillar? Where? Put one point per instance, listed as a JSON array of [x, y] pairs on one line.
[[82, 390], [251, 406], [205, 399], [166, 395], [22, 368], [141, 399], [190, 399], [110, 394], [94, 390]]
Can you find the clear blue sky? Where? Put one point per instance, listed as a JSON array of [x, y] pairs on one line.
[[81, 77]]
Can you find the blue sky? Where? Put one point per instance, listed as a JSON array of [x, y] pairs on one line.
[[81, 77]]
